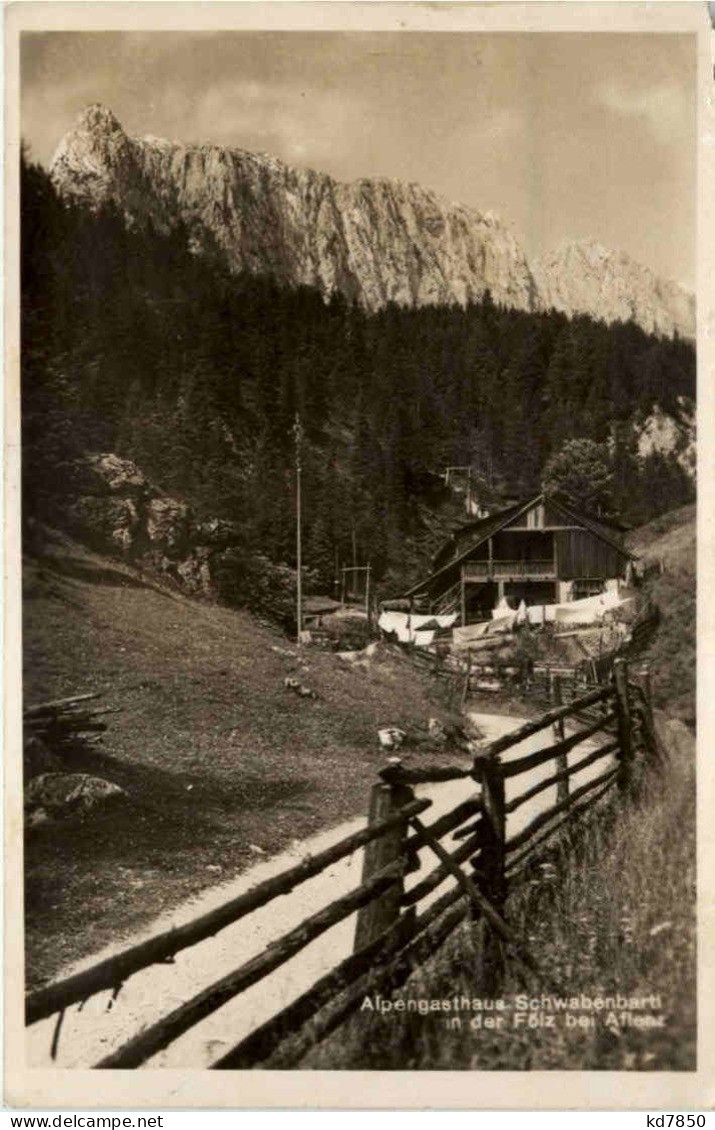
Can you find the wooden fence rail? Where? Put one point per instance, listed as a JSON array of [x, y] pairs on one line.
[[112, 972], [391, 937]]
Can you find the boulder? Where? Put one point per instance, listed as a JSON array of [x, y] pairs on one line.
[[56, 796], [298, 688]]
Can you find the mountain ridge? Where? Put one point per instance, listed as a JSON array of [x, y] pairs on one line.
[[375, 241]]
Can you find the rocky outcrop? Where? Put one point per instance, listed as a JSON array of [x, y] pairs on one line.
[[113, 507], [110, 523], [375, 241], [108, 474], [670, 435]]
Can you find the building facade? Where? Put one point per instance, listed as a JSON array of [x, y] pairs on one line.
[[541, 551]]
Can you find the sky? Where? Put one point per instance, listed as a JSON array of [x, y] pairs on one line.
[[564, 136]]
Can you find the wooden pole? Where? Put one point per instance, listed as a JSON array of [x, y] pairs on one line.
[[367, 593], [490, 871], [463, 599], [648, 687], [298, 531], [467, 677], [624, 723], [376, 917], [429, 935], [652, 741], [561, 759]]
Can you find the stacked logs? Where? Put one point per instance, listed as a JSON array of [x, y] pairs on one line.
[[59, 723]]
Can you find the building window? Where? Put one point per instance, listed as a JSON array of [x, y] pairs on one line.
[[586, 586]]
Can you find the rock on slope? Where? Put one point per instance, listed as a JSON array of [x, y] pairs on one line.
[[375, 241], [109, 503]]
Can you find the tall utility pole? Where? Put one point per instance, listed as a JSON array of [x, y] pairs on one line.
[[298, 433]]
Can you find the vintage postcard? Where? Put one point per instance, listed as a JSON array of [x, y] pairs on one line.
[[358, 487]]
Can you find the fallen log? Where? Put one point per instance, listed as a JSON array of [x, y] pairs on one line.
[[57, 704]]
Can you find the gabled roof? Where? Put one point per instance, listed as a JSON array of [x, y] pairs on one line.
[[314, 605], [595, 525], [486, 527]]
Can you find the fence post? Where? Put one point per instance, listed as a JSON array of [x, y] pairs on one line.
[[561, 759], [623, 712], [386, 796], [490, 869], [648, 688], [651, 740], [467, 677]]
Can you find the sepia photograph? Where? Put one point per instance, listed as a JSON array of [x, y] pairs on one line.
[[358, 399]]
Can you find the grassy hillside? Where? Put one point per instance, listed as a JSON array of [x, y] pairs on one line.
[[672, 655], [218, 757]]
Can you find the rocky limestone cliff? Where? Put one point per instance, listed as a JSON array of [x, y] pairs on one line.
[[584, 277], [375, 241], [670, 435]]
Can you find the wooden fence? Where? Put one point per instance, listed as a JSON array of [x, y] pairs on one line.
[[399, 927]]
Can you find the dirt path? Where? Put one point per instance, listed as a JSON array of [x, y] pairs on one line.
[[98, 1029]]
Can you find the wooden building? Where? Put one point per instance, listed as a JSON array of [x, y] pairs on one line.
[[541, 550]]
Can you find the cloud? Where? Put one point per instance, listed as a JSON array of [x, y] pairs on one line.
[[291, 120], [663, 107]]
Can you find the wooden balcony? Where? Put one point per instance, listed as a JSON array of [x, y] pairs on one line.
[[509, 571]]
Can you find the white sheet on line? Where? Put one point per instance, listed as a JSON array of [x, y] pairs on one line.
[[418, 629]]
